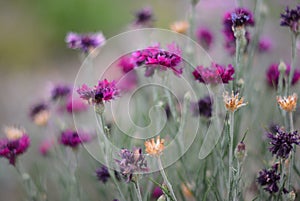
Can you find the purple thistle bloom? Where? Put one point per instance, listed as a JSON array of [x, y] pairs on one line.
[[144, 17], [203, 107], [60, 91], [205, 38], [282, 142], [269, 179], [241, 17], [75, 105], [214, 74], [157, 192], [11, 148], [291, 18], [72, 138], [103, 174], [131, 162], [105, 91], [85, 42], [273, 74], [127, 64]]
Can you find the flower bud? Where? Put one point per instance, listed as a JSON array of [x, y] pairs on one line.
[[291, 196], [240, 151]]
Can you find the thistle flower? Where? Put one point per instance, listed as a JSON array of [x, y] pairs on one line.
[[15, 143], [72, 138], [144, 17], [75, 105], [157, 192], [282, 142], [105, 91], [40, 114], [291, 18], [60, 91], [288, 103], [127, 64], [233, 102], [269, 179], [273, 74], [180, 27], [131, 162], [204, 38], [45, 147], [241, 17], [85, 42], [103, 174], [215, 74], [203, 107], [264, 45], [154, 148]]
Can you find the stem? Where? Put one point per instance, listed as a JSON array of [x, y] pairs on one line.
[[293, 64], [292, 156], [163, 174], [231, 119], [291, 121], [138, 190]]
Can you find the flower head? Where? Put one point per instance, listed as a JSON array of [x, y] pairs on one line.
[[203, 107], [241, 17], [157, 192], [264, 45], [204, 37], [131, 162], [16, 143], [214, 74], [233, 102], [105, 91], [273, 74], [45, 147], [291, 18], [40, 114], [75, 105], [60, 91], [127, 64], [103, 174], [73, 138], [288, 103], [144, 17], [180, 27], [269, 179], [155, 148], [282, 142]]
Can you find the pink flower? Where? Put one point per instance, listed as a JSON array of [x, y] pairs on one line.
[[75, 105], [73, 138], [204, 37], [45, 147]]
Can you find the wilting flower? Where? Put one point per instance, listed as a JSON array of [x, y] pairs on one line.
[[180, 27], [269, 179], [214, 74], [131, 162], [45, 147], [204, 38], [203, 107], [75, 105], [72, 138], [40, 114], [264, 45], [103, 174], [291, 18], [155, 148], [105, 91], [273, 74], [157, 192], [282, 142], [60, 91], [144, 17], [233, 102], [288, 103], [85, 42], [15, 143]]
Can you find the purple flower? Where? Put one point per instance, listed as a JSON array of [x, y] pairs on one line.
[[157, 192], [144, 17], [131, 162], [264, 45], [105, 91], [127, 64], [203, 107], [273, 73], [72, 138], [16, 143], [282, 142], [269, 179], [103, 174], [39, 113], [60, 91], [291, 18], [45, 147], [241, 17], [214, 74], [75, 105], [204, 37], [85, 42]]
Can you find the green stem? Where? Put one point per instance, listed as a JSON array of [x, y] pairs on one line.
[[291, 162], [231, 119], [138, 190], [294, 58]]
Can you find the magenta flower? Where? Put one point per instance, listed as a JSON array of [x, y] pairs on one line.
[[273, 74], [215, 74], [75, 105], [45, 147], [144, 17], [127, 64], [157, 192], [291, 18], [264, 45], [72, 138], [105, 91], [16, 143], [85, 42], [204, 37]]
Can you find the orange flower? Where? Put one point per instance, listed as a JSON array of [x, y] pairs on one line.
[[180, 27], [13, 133], [288, 103], [155, 148], [233, 102]]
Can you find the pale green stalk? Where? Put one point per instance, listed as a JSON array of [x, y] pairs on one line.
[[138, 190], [231, 119], [294, 59], [292, 157]]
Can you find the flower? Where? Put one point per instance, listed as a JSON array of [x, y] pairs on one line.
[[40, 114], [131, 162], [273, 74], [73, 138], [204, 37], [282, 142], [154, 148], [103, 174], [180, 27], [288, 103], [214, 74], [75, 105], [105, 91], [233, 102], [157, 192], [85, 42], [240, 151], [264, 45], [203, 107], [127, 64], [269, 179], [291, 18], [241, 17], [144, 17], [60, 91], [45, 147], [15, 143]]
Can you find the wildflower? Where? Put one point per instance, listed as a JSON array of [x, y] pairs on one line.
[[75, 105], [288, 103], [103, 174], [241, 17], [131, 162], [105, 91], [85, 42], [154, 148], [144, 17], [264, 45], [180, 27], [73, 138], [204, 37], [203, 107], [269, 179], [15, 143], [157, 192], [215, 74], [282, 142], [127, 64], [40, 114], [233, 102], [60, 91], [240, 151], [273, 74], [45, 147], [291, 18]]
